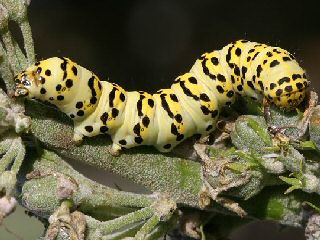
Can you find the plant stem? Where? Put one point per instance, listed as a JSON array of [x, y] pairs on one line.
[[147, 227], [28, 41]]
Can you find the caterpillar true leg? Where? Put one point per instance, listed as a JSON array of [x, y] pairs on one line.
[[164, 119]]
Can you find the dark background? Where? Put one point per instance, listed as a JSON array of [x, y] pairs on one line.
[[144, 45]]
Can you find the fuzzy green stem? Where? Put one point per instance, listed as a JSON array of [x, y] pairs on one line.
[[120, 198], [28, 41], [120, 222], [7, 158], [23, 62], [19, 159], [10, 49], [147, 227], [4, 146], [5, 70]]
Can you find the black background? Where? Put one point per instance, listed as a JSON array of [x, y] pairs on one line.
[[144, 45]]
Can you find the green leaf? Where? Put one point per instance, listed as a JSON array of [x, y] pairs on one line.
[[309, 145], [290, 189], [295, 182], [203, 235], [300, 114], [261, 131], [313, 206], [238, 167], [215, 152], [253, 160], [275, 209], [291, 181]]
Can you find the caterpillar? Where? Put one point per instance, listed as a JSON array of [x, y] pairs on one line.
[[165, 118]]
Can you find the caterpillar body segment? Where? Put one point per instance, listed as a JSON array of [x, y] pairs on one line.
[[164, 119]]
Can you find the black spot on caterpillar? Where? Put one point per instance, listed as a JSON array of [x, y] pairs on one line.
[[189, 107]]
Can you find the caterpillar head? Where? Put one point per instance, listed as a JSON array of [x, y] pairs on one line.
[[48, 80], [27, 83], [63, 83]]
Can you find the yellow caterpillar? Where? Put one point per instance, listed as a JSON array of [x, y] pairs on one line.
[[163, 119]]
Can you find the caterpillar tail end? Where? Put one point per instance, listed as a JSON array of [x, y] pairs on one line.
[[115, 150]]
